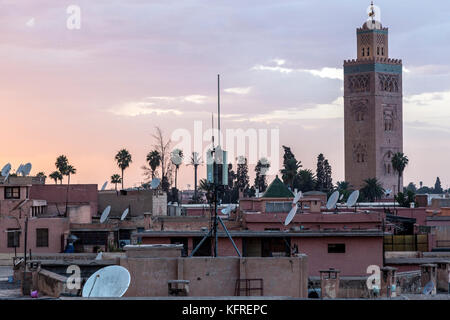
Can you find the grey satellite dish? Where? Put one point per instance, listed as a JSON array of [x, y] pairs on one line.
[[108, 282], [155, 183], [124, 214], [428, 289], [26, 169], [388, 192], [105, 214], [291, 214], [331, 203], [6, 178], [341, 197], [104, 185], [353, 198], [6, 169]]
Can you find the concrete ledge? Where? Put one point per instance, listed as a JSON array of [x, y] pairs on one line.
[[153, 250]]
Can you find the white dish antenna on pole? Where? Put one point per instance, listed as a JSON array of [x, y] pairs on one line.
[[175, 157], [104, 186], [6, 169], [108, 282], [105, 214], [294, 209], [124, 214], [331, 203], [353, 198]]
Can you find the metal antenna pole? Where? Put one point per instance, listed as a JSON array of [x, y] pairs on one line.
[[218, 104]]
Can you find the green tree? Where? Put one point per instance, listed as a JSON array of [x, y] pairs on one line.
[[242, 182], [115, 179], [154, 161], [399, 163], [261, 169], [405, 199], [320, 173], [305, 180], [56, 175], [69, 171], [123, 159], [61, 164], [41, 176], [372, 190], [207, 188], [411, 187], [328, 177], [438, 186], [290, 172], [344, 188]]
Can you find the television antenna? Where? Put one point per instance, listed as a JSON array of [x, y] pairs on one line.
[[124, 214], [105, 214], [331, 203], [352, 199], [213, 157], [108, 282], [104, 186]]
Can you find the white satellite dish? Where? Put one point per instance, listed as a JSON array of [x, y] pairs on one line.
[[331, 203], [352, 198], [108, 282], [26, 169], [155, 183], [6, 169], [124, 214], [297, 197], [341, 197], [19, 170], [175, 157], [291, 214], [388, 192], [105, 214], [104, 186]]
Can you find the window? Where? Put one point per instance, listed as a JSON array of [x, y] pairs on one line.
[[278, 207], [41, 238], [13, 238], [363, 52], [368, 51], [336, 248], [12, 192], [378, 50], [382, 51]]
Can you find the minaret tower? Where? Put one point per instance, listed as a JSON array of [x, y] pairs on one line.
[[372, 107]]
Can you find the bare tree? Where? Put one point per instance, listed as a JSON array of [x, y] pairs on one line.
[[163, 147]]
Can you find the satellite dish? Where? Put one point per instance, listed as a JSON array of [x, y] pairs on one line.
[[124, 214], [175, 157], [331, 203], [19, 169], [155, 183], [105, 214], [297, 197], [388, 192], [104, 185], [428, 289], [227, 210], [26, 169], [291, 214], [108, 282], [6, 178], [341, 197], [6, 169], [195, 158], [353, 198]]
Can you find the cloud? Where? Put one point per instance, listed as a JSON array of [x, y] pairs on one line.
[[429, 69], [238, 90], [134, 109], [325, 73], [428, 109], [334, 110]]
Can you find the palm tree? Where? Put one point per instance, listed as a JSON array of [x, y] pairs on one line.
[[195, 161], [115, 178], [61, 164], [154, 160], [176, 158], [372, 190], [41, 176], [69, 170], [207, 188], [344, 188], [399, 163], [56, 175], [123, 159], [290, 172]]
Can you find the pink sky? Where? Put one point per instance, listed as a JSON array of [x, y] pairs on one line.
[[135, 65]]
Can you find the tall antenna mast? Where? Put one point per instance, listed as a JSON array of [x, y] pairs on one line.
[[218, 103], [212, 128]]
